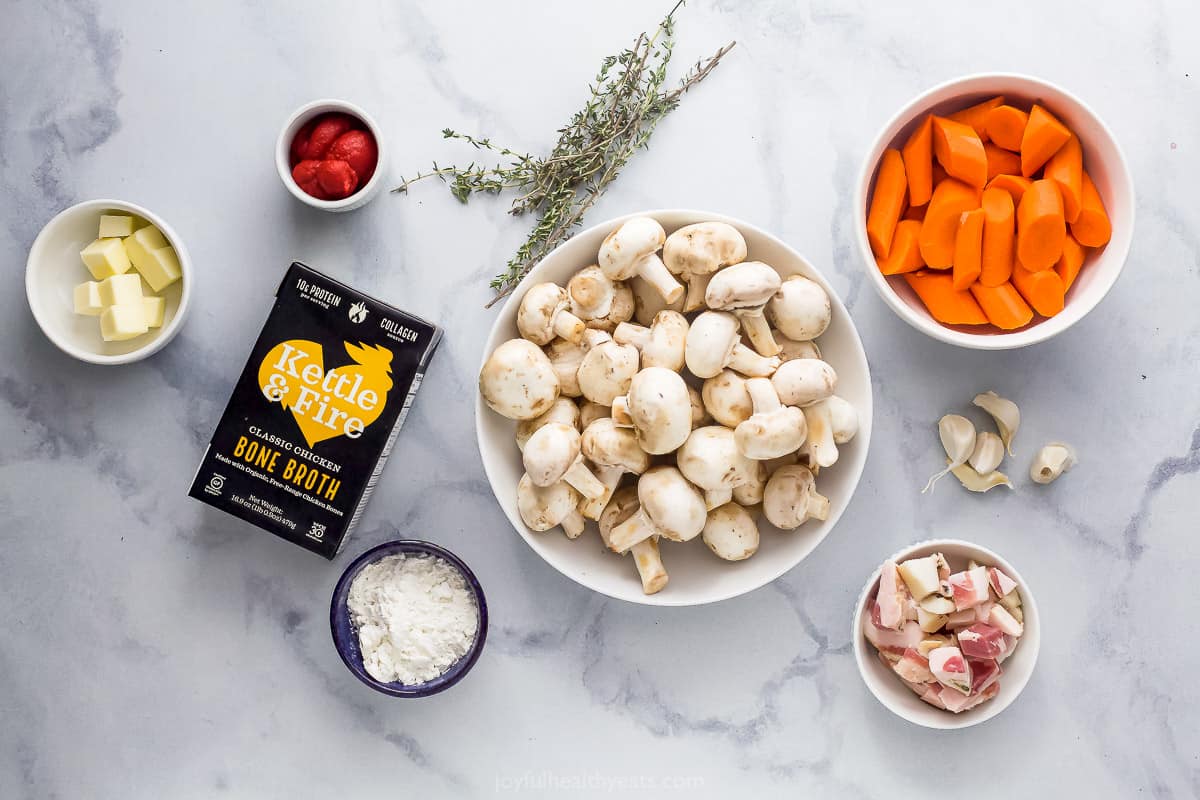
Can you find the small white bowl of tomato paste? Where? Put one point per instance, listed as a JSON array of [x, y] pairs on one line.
[[330, 155]]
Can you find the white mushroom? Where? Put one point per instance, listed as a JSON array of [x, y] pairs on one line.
[[598, 300], [658, 407], [552, 455], [610, 479], [820, 445], [745, 289], [791, 498], [800, 309], [726, 398], [563, 410], [695, 252], [544, 507], [632, 250], [774, 429], [731, 532], [844, 418], [713, 344], [607, 445], [669, 507], [621, 507], [750, 493], [700, 415], [790, 349], [518, 380], [804, 381], [565, 357], [662, 344], [647, 302], [710, 459], [589, 412], [607, 368], [543, 315], [648, 560]]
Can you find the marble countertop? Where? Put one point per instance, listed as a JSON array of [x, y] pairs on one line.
[[150, 647]]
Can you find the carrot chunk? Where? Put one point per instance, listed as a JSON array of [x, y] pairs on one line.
[[905, 255], [1041, 227], [950, 199], [1044, 290], [1000, 161], [1071, 263], [918, 163], [999, 223], [1066, 169], [1092, 227], [976, 115], [968, 247], [1005, 125], [1043, 135], [945, 303], [960, 150], [1015, 185], [887, 202], [1003, 305]]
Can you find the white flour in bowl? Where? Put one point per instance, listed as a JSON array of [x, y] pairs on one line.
[[415, 617]]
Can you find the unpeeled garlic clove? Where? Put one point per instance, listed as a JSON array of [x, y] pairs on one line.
[[1051, 461], [958, 439], [972, 480], [1004, 412], [989, 452]]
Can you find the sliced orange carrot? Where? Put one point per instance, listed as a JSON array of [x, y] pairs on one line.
[[976, 115], [1003, 305], [915, 212], [999, 223], [1044, 290], [918, 163], [1043, 135], [1071, 262], [1092, 227], [968, 246], [1000, 161], [960, 150], [1066, 169], [945, 303], [950, 199], [1015, 185], [886, 203], [1005, 125], [905, 255], [1041, 226]]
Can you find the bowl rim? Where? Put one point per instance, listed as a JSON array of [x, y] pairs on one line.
[[339, 611], [1031, 641], [1041, 331], [866, 413], [165, 335], [298, 119]]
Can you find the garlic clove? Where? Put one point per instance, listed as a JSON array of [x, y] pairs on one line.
[[989, 452], [936, 604], [1051, 461], [958, 439], [1004, 412], [972, 480]]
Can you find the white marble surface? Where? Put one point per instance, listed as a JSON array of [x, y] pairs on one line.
[[152, 648]]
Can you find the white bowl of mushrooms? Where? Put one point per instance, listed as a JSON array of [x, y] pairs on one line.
[[671, 376]]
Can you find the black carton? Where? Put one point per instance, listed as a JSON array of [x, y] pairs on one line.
[[315, 412]]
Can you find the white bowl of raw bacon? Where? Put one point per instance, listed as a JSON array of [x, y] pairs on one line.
[[946, 670]]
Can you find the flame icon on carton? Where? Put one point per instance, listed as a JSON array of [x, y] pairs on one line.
[[358, 312]]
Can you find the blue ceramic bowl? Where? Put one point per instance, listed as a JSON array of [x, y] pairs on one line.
[[345, 638]]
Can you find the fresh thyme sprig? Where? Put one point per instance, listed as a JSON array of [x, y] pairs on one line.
[[628, 98]]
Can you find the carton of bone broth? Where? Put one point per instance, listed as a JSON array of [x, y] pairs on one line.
[[315, 412]]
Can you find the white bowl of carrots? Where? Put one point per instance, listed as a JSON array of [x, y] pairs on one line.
[[996, 211]]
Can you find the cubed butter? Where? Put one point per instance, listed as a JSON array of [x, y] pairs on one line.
[[163, 269], [121, 290], [115, 225], [118, 323], [154, 308], [105, 258], [141, 244], [87, 299]]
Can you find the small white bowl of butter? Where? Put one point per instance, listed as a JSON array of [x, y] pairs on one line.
[[100, 274]]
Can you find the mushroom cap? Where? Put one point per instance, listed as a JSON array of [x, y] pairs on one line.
[[662, 344], [731, 532], [790, 349], [518, 380], [844, 417], [710, 341], [544, 507], [673, 505], [622, 249], [566, 357], [744, 285], [700, 415], [561, 410], [591, 293], [608, 445], [623, 505], [726, 398], [539, 307], [589, 412], [606, 371], [786, 497], [622, 309], [548, 454], [710, 458], [661, 409], [751, 492], [772, 434], [703, 247], [800, 309], [804, 381]]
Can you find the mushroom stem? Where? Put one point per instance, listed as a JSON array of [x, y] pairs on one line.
[[582, 479], [755, 326], [697, 286], [748, 362], [628, 333], [655, 273], [572, 524], [568, 326], [610, 477], [620, 412], [763, 395], [648, 560], [636, 529], [818, 506]]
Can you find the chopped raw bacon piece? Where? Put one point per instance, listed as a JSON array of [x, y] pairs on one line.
[[1001, 583], [913, 667], [970, 587], [984, 672], [895, 641], [1010, 643], [1005, 621], [976, 699], [933, 696], [984, 610], [981, 641], [950, 669]]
